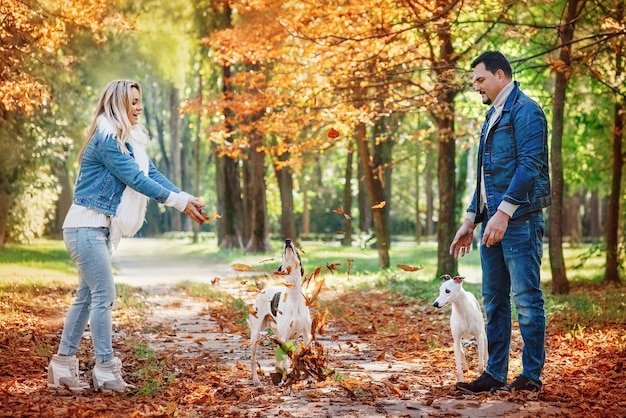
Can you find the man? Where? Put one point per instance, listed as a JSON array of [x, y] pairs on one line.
[[512, 188]]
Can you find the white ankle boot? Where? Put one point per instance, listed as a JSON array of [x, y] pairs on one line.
[[63, 372], [108, 376]]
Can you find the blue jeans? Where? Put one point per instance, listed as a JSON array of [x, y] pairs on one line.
[[93, 303], [512, 267]]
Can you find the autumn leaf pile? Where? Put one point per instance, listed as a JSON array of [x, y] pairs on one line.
[[584, 374]]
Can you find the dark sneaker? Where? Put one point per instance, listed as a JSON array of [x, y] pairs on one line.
[[484, 383], [520, 383]]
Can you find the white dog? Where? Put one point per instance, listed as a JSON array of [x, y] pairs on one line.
[[466, 321], [281, 308]]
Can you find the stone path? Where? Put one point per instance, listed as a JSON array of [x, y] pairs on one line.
[[191, 332]]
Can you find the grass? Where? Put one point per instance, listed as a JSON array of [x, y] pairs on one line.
[[152, 373], [45, 266]]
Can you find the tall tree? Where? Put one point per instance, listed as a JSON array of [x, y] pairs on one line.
[[563, 72], [35, 38], [606, 63]]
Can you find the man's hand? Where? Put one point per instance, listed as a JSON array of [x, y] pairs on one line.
[[462, 242], [495, 228]]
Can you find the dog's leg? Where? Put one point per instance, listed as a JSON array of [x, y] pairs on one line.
[[482, 351], [254, 344], [459, 357]]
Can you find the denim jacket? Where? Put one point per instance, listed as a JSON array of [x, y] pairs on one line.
[[514, 157], [106, 171]]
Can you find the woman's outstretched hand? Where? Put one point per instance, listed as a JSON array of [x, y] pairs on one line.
[[195, 210]]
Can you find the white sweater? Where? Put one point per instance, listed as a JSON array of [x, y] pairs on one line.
[[132, 209]]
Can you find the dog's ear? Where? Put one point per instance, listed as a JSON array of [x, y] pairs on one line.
[[458, 279], [445, 277]]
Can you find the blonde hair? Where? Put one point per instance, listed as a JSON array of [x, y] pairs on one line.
[[114, 104]]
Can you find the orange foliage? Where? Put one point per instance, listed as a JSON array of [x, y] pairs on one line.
[[37, 31]]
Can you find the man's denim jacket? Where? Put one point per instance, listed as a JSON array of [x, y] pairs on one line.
[[105, 171], [514, 157]]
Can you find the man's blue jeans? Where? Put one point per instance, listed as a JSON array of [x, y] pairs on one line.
[[93, 303], [512, 267]]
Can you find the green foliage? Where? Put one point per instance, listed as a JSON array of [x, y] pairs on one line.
[[284, 350], [152, 373], [46, 256]]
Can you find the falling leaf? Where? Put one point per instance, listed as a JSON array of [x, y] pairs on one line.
[[289, 285], [241, 267], [252, 311], [349, 262], [216, 216], [340, 211], [286, 272], [333, 133], [289, 206], [215, 280], [379, 205], [409, 268], [332, 267]]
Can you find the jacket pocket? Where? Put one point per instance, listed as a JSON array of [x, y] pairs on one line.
[[111, 187], [504, 149]]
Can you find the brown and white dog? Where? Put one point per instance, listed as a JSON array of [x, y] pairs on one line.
[[281, 308]]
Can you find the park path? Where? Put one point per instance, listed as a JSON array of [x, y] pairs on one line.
[[148, 264]]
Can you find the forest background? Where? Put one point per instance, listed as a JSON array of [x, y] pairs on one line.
[[339, 120]]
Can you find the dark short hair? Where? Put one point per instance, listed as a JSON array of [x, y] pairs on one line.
[[494, 61]]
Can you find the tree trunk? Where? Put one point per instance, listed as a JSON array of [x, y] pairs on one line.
[[611, 274], [418, 223], [196, 150], [306, 211], [228, 184], [284, 176], [461, 183], [175, 172], [446, 228], [560, 284], [5, 204], [258, 232], [429, 180], [595, 215], [63, 202], [376, 196], [446, 166], [572, 224], [382, 160], [347, 199], [365, 210]]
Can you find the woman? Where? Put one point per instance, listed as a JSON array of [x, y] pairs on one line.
[[115, 180]]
